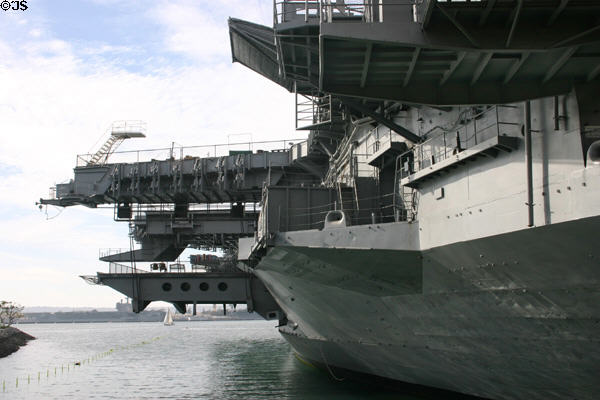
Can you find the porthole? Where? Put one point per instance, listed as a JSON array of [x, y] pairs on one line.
[[204, 286], [185, 286], [222, 286], [166, 286]]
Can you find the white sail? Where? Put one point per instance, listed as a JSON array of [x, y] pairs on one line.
[[168, 318]]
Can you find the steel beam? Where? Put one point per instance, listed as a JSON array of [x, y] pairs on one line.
[[308, 56], [577, 36], [453, 67], [485, 59], [428, 11], [529, 163], [365, 68], [411, 66], [405, 133], [486, 13], [458, 25], [562, 60], [593, 73], [517, 14], [515, 67], [557, 11]]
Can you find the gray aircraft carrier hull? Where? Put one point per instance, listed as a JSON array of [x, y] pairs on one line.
[[509, 316]]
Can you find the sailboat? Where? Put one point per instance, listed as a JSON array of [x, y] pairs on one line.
[[168, 318]]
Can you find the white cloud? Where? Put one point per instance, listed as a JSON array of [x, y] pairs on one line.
[[197, 30], [191, 32], [35, 32], [56, 101]]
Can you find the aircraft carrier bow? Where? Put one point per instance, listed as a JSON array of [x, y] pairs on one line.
[[438, 226]]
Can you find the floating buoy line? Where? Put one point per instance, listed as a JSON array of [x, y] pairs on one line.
[[57, 371]]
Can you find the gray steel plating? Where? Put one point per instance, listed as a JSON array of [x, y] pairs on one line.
[[499, 317]]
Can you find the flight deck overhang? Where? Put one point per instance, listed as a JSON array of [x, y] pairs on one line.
[[437, 52], [254, 46], [399, 60]]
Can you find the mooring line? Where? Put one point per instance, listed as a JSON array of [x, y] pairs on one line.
[[327, 365]]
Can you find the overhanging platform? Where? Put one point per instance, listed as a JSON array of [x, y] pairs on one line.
[[486, 148], [182, 289]]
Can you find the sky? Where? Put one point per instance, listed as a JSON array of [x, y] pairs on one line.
[[68, 69]]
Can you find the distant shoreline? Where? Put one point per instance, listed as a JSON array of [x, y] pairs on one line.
[[126, 321], [11, 339], [120, 316]]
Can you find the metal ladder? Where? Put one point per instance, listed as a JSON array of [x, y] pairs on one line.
[[120, 130], [106, 150]]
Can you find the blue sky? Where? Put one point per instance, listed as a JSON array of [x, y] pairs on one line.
[[67, 70]]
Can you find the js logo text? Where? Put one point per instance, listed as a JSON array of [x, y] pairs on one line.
[[15, 5]]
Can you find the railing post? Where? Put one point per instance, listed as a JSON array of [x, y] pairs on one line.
[[475, 129], [445, 147], [497, 122], [320, 11], [529, 163], [306, 10], [296, 105]]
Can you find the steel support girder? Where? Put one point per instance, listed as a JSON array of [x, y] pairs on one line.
[[190, 288], [452, 93], [405, 133], [403, 73], [531, 36]]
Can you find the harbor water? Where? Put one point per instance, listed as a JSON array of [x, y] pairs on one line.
[[189, 360]]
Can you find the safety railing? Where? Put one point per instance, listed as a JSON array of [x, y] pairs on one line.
[[295, 10], [474, 128], [140, 211], [185, 152], [370, 210], [361, 167], [313, 110], [379, 138], [405, 198], [116, 268], [347, 10], [328, 10], [105, 252], [128, 126]]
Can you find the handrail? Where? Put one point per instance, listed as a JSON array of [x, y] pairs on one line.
[[312, 110], [448, 142], [295, 10], [326, 11], [116, 268], [183, 152]]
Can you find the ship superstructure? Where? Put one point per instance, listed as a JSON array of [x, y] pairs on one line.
[[439, 224]]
